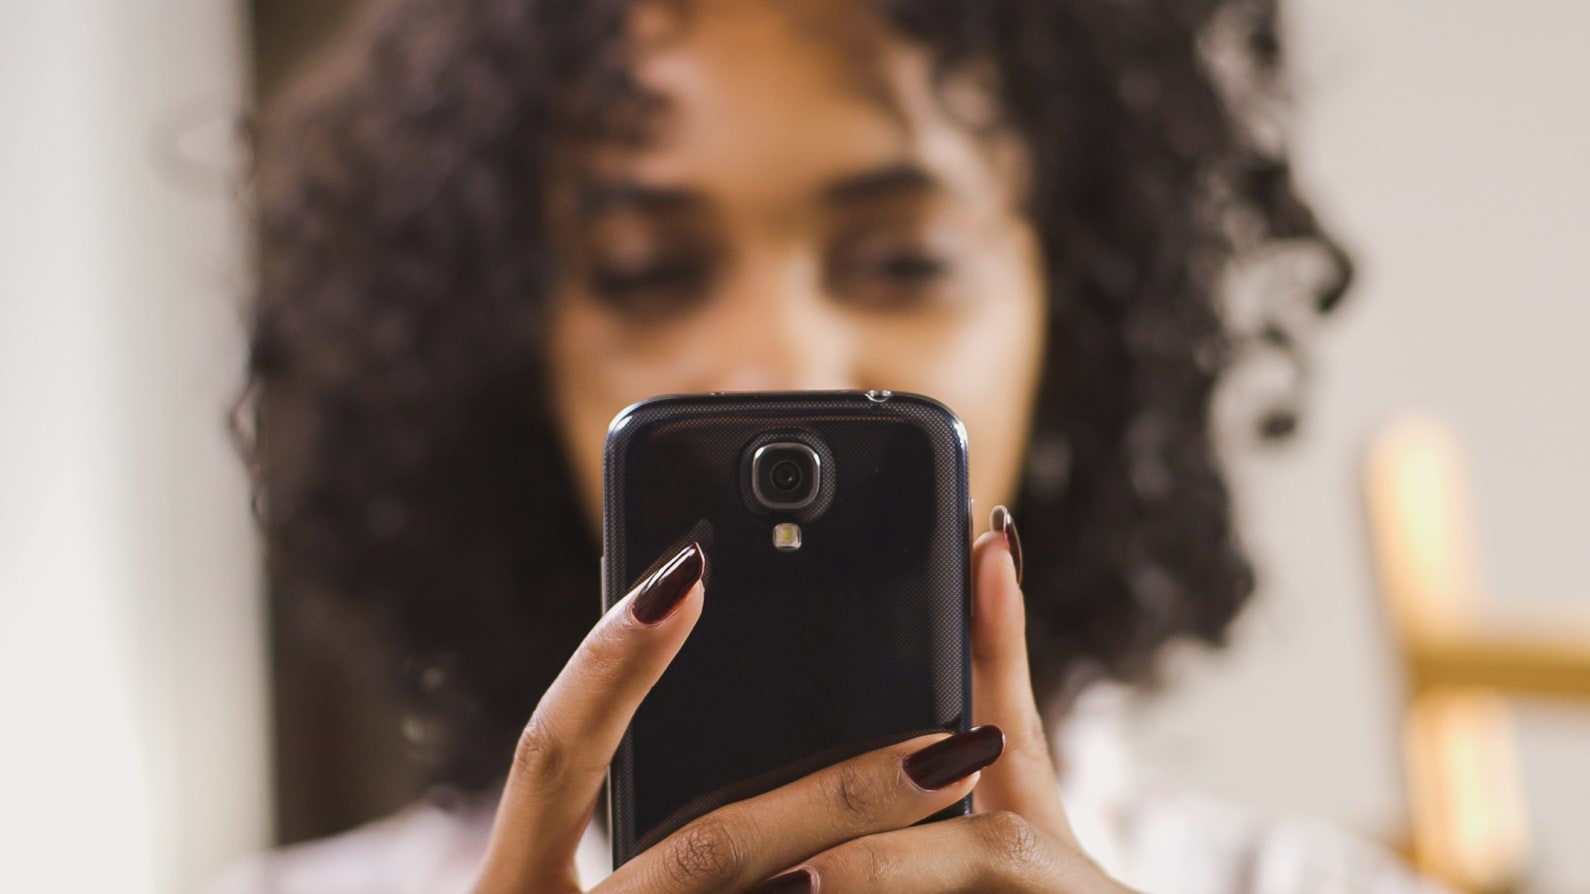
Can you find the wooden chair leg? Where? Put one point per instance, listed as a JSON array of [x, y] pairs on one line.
[[1468, 822]]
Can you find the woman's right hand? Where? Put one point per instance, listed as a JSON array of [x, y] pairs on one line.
[[571, 737]]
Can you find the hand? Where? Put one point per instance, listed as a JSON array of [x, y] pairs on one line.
[[570, 739], [1018, 838], [848, 823]]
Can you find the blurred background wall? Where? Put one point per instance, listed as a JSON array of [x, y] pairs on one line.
[[1447, 143], [132, 738], [1450, 145]]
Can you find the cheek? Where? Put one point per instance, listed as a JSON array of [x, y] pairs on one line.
[[585, 393], [983, 362], [599, 366]]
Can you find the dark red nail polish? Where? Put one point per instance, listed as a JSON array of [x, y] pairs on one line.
[[664, 589], [1004, 523], [955, 758], [796, 881]]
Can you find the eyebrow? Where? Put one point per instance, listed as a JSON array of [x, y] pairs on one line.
[[602, 196], [881, 183], [597, 197]]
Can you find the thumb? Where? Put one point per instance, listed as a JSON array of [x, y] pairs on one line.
[[1024, 779]]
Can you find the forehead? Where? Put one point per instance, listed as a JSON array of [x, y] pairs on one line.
[[760, 98]]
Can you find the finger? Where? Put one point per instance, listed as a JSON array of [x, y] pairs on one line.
[[745, 842], [1024, 782], [570, 739], [999, 851]]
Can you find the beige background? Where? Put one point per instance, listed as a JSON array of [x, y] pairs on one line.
[[1449, 143]]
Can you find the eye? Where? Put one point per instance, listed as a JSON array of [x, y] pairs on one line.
[[618, 280], [652, 290], [889, 276], [911, 267]]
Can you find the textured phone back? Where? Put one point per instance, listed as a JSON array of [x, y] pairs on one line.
[[805, 657]]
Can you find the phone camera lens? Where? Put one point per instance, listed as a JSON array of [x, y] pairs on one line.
[[786, 475]]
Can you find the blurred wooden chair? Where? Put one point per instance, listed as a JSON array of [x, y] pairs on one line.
[[1469, 825]]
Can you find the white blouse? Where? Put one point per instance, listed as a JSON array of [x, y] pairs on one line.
[[1150, 839]]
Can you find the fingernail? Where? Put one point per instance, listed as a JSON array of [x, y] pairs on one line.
[[955, 758], [1005, 523], [663, 590], [797, 881]]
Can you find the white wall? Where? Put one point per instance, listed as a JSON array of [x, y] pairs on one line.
[[132, 749], [1449, 143]]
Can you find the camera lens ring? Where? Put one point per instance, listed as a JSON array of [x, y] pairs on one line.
[[773, 485]]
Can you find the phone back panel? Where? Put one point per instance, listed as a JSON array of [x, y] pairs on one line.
[[801, 657]]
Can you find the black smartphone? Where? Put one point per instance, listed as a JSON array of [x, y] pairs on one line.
[[837, 531]]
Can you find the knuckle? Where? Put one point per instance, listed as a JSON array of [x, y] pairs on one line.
[[704, 854], [540, 755], [856, 793], [861, 863], [603, 666], [1029, 738], [1009, 839], [875, 866]]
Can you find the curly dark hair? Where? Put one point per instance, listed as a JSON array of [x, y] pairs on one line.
[[409, 477]]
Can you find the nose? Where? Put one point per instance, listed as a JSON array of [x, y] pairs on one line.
[[774, 329]]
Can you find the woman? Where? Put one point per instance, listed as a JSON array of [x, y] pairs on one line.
[[492, 224]]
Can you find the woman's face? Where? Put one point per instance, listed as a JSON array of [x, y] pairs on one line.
[[809, 212]]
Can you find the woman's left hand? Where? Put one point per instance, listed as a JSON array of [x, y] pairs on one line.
[[1018, 839]]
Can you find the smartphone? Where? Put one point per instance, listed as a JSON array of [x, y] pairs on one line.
[[837, 532]]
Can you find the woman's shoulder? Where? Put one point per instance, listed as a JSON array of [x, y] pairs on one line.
[[1196, 845], [424, 847], [429, 847], [1154, 837]]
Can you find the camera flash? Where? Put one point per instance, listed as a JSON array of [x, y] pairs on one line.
[[787, 536]]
